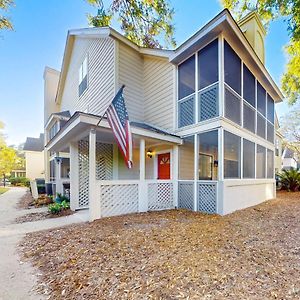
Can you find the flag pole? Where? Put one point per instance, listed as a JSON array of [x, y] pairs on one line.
[[101, 117]]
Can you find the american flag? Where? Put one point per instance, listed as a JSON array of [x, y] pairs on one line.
[[119, 123]]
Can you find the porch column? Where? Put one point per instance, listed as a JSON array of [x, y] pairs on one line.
[[58, 184], [175, 175], [196, 150], [94, 200], [74, 180], [143, 191]]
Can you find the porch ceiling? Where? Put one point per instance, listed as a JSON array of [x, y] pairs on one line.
[[78, 127]]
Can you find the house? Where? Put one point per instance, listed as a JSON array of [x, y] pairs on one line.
[[290, 159], [202, 119], [34, 157], [18, 173]]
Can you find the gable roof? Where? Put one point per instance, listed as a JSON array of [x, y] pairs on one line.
[[222, 22], [34, 144]]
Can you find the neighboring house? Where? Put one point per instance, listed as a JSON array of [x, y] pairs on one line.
[[18, 173], [34, 157], [278, 146], [289, 159], [202, 119]]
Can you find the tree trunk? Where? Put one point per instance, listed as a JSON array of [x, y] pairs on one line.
[[4, 183]]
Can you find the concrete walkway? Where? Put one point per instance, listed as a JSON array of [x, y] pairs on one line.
[[17, 279]]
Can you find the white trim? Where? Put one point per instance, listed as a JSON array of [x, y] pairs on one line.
[[196, 163]]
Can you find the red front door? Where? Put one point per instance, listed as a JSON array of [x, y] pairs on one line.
[[164, 169]]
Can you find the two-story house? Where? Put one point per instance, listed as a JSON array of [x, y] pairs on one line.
[[202, 119]]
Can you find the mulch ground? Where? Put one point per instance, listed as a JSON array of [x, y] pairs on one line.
[[31, 217], [250, 254], [27, 201]]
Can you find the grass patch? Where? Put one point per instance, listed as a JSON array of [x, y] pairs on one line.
[[3, 190]]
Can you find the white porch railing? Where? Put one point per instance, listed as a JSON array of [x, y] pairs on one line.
[[118, 197]]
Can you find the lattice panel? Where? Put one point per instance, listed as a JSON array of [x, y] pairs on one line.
[[186, 112], [83, 161], [119, 199], [104, 161], [207, 197], [208, 103], [186, 195], [160, 196]]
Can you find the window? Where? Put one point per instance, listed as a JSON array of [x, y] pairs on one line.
[[260, 162], [232, 68], [248, 86], [232, 106], [208, 155], [208, 65], [270, 163], [232, 155], [83, 77], [186, 77], [261, 99], [261, 126], [249, 118], [53, 130], [270, 109], [248, 159]]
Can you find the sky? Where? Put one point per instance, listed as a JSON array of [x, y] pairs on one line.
[[38, 40]]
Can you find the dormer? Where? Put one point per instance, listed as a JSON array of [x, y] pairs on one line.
[[255, 33]]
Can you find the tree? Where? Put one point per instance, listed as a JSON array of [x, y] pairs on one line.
[[268, 11], [8, 159], [290, 128], [144, 22], [5, 23]]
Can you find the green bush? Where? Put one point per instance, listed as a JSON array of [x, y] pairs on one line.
[[19, 181], [290, 179], [54, 208]]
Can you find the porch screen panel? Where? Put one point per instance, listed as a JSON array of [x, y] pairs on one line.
[[270, 109], [248, 159], [270, 132], [261, 126], [261, 99], [208, 65], [83, 172], [104, 161], [270, 163], [208, 155], [186, 111], [260, 162], [232, 106], [248, 86], [249, 118], [232, 155], [186, 78], [232, 68]]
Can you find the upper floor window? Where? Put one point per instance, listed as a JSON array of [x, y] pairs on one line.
[[53, 130], [270, 109], [186, 78], [232, 68], [83, 76], [208, 65]]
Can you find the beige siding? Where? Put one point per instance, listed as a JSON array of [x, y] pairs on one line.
[[34, 164], [130, 73], [101, 79], [186, 160], [158, 91]]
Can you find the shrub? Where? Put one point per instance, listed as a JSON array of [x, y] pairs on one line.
[[54, 208], [19, 181], [290, 179], [65, 204]]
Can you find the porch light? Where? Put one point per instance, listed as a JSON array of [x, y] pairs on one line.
[[58, 159], [149, 153]]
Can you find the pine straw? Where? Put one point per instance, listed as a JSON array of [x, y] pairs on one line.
[[32, 217], [250, 254]]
